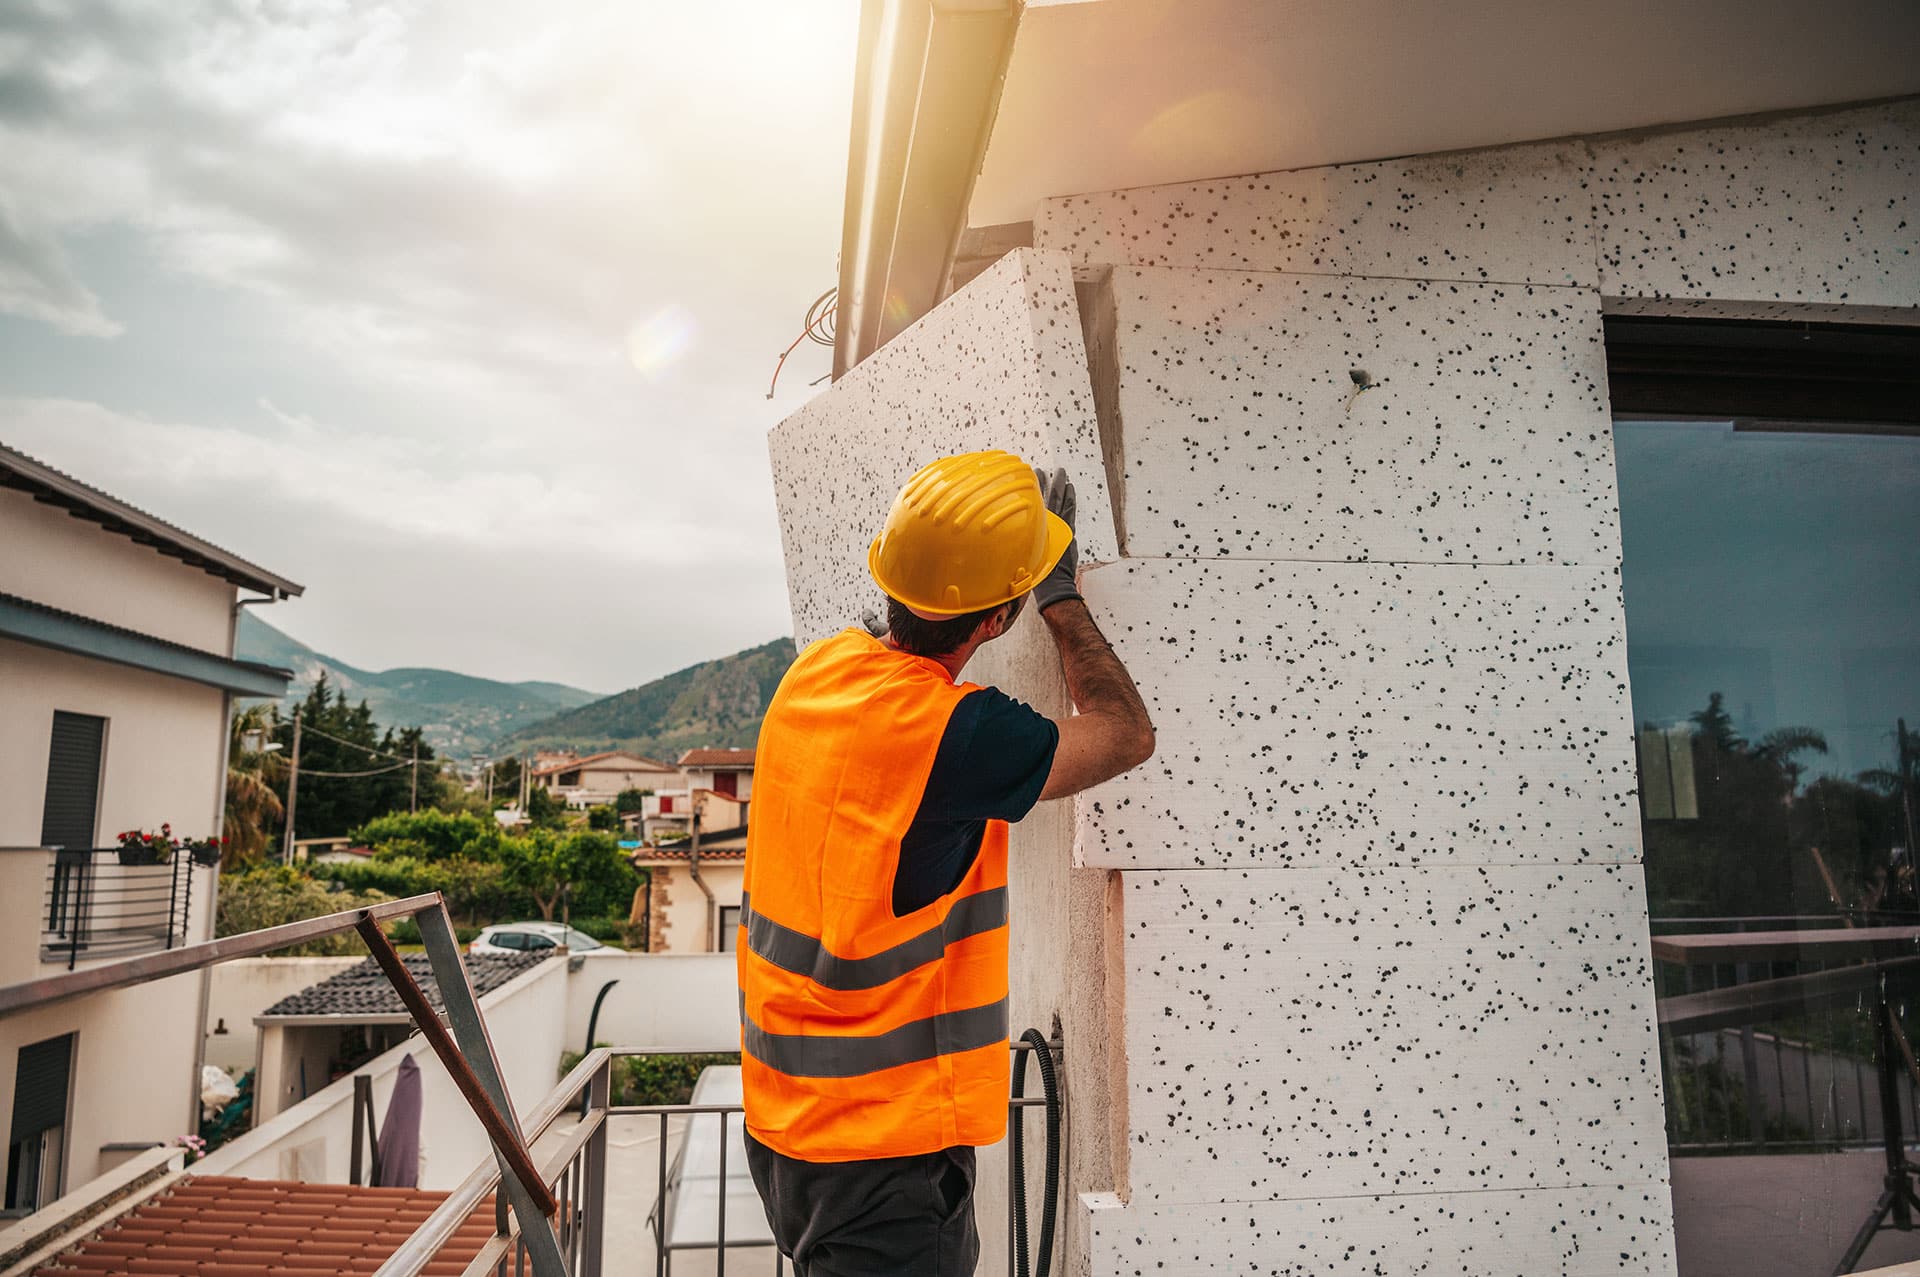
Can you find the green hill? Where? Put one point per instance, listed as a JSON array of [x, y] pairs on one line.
[[718, 703], [460, 714]]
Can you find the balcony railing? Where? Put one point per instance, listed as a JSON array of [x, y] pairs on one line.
[[578, 1176], [98, 907]]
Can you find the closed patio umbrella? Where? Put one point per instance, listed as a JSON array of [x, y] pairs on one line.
[[400, 1132]]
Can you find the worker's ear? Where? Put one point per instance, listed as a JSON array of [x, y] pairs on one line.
[[1002, 619]]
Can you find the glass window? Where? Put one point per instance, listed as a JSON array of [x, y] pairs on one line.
[[729, 928], [507, 940], [1772, 587]]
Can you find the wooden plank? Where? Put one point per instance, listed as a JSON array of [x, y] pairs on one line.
[[1484, 435], [1366, 714], [1825, 945], [1306, 1034]]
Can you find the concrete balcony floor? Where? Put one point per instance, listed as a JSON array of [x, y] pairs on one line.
[[1786, 1215]]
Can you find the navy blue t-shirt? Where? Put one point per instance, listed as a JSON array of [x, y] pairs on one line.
[[992, 763]]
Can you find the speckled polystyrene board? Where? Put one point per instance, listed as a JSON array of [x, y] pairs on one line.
[[1515, 214], [1367, 714], [1819, 208], [1310, 1034], [1000, 364], [1539, 1233], [1484, 437]]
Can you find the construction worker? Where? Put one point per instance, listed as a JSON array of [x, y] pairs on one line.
[[873, 941]]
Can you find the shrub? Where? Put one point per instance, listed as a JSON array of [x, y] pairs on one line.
[[272, 895], [429, 835], [653, 1079], [601, 928], [603, 818], [407, 931]]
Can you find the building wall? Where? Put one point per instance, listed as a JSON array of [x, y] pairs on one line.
[[134, 1069], [1355, 971], [662, 1002], [679, 918], [69, 563], [313, 1139], [243, 988]]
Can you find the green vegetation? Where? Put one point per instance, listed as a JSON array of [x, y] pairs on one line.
[[717, 703], [653, 1079], [272, 895]]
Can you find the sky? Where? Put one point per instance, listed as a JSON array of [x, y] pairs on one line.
[[461, 314], [1777, 569]]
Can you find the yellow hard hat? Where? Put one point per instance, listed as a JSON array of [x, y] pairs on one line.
[[966, 533]]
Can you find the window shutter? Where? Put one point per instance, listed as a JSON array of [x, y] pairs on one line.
[[40, 1087], [73, 780]]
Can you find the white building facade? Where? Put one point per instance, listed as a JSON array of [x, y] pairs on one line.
[[1354, 975], [116, 681]]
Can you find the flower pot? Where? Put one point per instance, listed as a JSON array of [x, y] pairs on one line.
[[207, 856], [139, 856]]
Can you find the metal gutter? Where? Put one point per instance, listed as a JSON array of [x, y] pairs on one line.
[[53, 487], [63, 631], [927, 85]]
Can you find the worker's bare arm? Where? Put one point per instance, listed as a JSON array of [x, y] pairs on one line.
[[1111, 733]]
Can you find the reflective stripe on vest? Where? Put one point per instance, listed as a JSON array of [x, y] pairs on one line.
[[865, 1033], [809, 1055], [801, 954]]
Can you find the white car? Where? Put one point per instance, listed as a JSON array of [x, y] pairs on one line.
[[531, 937]]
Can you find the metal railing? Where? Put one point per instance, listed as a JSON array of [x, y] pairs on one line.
[[98, 904], [1778, 1057], [463, 1048], [577, 1172]]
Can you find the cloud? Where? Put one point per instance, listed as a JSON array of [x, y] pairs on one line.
[[509, 284], [37, 282]]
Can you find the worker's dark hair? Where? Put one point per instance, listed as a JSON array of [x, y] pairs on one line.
[[936, 638]]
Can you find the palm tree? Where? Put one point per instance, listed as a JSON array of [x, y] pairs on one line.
[[254, 808]]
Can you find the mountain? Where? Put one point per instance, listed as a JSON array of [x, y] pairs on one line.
[[460, 714], [718, 703]]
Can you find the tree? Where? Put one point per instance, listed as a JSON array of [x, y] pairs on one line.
[[253, 808], [274, 894], [603, 817], [506, 780], [544, 810], [564, 870], [631, 800]]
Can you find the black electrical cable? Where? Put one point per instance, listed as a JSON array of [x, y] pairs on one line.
[[1017, 1157]]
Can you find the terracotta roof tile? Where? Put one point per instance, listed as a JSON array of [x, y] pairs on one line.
[[219, 1226], [575, 764], [717, 758]]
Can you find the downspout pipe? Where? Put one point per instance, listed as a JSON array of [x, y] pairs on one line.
[[693, 863]]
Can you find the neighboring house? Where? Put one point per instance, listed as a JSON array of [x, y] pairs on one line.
[[330, 851], [599, 778], [669, 813], [309, 1039], [117, 680], [725, 771], [1358, 963], [689, 912]]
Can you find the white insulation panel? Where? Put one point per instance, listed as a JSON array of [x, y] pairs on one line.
[[1313, 1034], [1477, 433], [1000, 364], [1367, 715]]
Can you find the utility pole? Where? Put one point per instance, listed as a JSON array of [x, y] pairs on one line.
[[413, 785], [293, 788]]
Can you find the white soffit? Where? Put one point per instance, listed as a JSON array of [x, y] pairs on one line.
[[1108, 94]]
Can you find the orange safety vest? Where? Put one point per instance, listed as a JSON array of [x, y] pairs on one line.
[[864, 1035]]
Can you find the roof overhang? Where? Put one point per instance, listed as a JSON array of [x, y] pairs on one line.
[[48, 627], [52, 487], [925, 86], [1101, 95]]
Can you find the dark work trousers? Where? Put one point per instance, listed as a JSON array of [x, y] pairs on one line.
[[889, 1215]]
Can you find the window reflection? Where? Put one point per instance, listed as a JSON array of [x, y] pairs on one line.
[[1772, 586]]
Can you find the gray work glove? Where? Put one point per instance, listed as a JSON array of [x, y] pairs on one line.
[[1058, 584], [874, 625]]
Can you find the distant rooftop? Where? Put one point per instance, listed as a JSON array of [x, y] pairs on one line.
[[592, 760], [723, 759], [220, 1226], [53, 487], [363, 992]]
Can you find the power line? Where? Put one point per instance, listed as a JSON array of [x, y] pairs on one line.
[[353, 744], [378, 771]]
